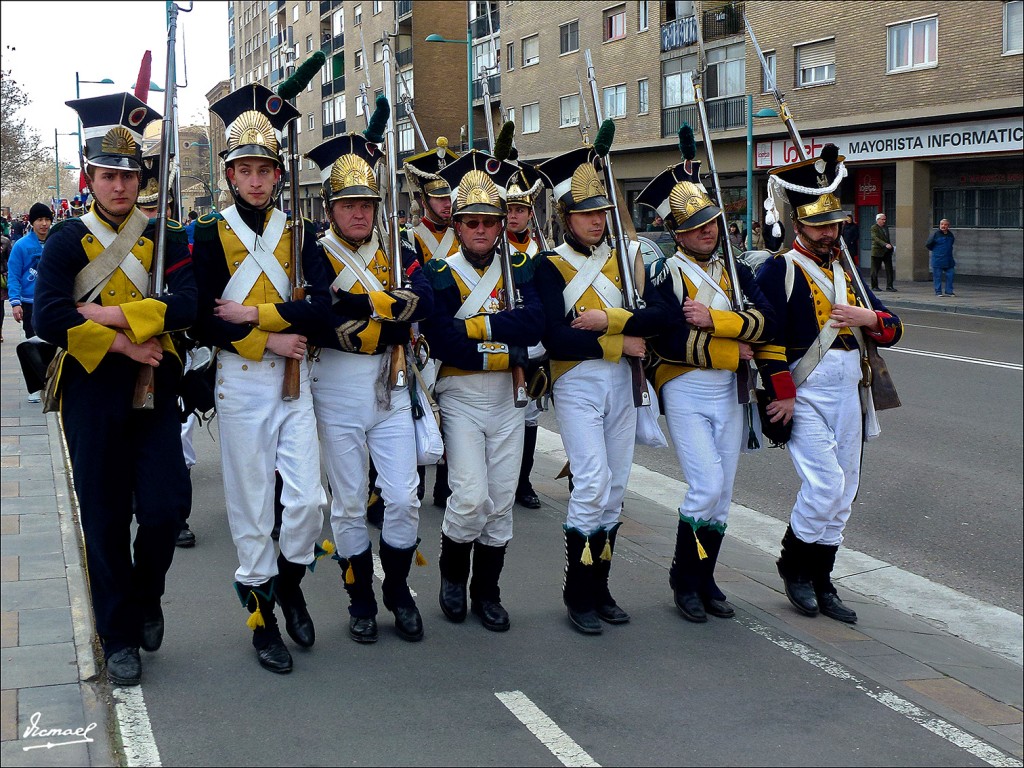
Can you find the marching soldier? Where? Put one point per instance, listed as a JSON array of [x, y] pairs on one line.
[[696, 377], [243, 260], [588, 333], [478, 339], [126, 461], [522, 191], [356, 408], [813, 373]]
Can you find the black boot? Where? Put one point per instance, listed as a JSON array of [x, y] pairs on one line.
[[397, 598], [525, 495], [578, 587], [605, 605], [796, 566], [828, 601], [297, 620], [685, 574], [357, 578], [441, 489], [713, 597], [484, 592], [453, 563], [266, 637]]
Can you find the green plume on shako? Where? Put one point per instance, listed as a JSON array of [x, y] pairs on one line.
[[503, 144], [302, 76], [687, 145], [374, 132], [605, 136]]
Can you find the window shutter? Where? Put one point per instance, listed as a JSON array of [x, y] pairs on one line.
[[818, 54]]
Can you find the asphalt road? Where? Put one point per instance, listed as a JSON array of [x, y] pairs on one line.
[[941, 491]]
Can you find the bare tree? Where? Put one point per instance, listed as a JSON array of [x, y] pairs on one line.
[[19, 145]]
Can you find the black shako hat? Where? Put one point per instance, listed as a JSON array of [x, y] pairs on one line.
[[823, 176], [480, 183], [113, 126], [347, 165], [574, 182], [679, 197], [255, 119]]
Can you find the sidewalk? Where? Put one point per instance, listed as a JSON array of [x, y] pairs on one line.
[[49, 654]]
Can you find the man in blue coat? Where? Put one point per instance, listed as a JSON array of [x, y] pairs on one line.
[[941, 262]]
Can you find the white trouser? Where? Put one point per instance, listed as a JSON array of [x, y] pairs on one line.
[[705, 421], [532, 413], [483, 439], [825, 447], [350, 422], [597, 419], [188, 429], [260, 432]]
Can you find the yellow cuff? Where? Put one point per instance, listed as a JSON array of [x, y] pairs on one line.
[[369, 337], [770, 352], [253, 345], [728, 324], [497, 361], [617, 318], [383, 305], [611, 345], [89, 343], [477, 328], [145, 319], [270, 319], [724, 354]]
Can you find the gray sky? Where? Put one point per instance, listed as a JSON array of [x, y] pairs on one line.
[[53, 40]]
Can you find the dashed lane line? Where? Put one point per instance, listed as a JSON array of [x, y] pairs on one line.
[[544, 728]]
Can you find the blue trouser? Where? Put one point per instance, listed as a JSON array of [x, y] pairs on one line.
[[937, 274]]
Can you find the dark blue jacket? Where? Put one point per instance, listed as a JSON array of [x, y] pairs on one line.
[[941, 246]]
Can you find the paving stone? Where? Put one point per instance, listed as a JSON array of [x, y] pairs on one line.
[[26, 429], [8, 629], [40, 523], [13, 754], [964, 699], [45, 625], [36, 665], [31, 505], [1014, 732], [8, 715], [8, 489], [8, 567], [1002, 682], [48, 565], [898, 666], [39, 593], [10, 525], [7, 462], [59, 706], [41, 487], [34, 544]]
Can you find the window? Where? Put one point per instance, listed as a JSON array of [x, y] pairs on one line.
[[483, 59], [1013, 27], [768, 73], [359, 106], [339, 22], [359, 59], [816, 62], [328, 112], [357, 15], [309, 87], [531, 50], [984, 207], [406, 137], [511, 114], [510, 56], [295, 12], [569, 110], [643, 18], [309, 43], [615, 101], [531, 118], [913, 44], [309, 6], [615, 23], [339, 108], [676, 83], [726, 75], [312, 121], [569, 37], [378, 51], [643, 97], [376, 7], [338, 65]]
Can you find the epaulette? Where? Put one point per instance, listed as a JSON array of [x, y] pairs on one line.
[[176, 233], [174, 225], [439, 274], [523, 269], [209, 219], [206, 227], [308, 226]]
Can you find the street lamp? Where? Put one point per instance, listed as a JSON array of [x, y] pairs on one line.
[[765, 112], [56, 159], [468, 42]]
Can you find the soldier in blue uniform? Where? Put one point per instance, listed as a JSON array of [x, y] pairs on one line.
[[478, 338], [359, 414], [244, 271], [125, 460], [813, 371]]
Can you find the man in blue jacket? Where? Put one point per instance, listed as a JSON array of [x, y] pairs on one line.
[[23, 263], [941, 262]]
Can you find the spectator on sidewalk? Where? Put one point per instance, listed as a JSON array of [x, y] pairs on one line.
[[851, 235], [22, 267], [941, 261], [5, 252], [881, 253]]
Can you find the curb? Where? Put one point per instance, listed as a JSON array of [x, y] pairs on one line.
[[957, 309]]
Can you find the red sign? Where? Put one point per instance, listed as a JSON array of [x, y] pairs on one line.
[[869, 186]]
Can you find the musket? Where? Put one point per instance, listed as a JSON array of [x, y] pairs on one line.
[[584, 126], [288, 90], [631, 295], [883, 390], [143, 397], [390, 203], [406, 99], [487, 110]]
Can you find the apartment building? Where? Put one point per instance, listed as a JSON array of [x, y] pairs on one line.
[[924, 99]]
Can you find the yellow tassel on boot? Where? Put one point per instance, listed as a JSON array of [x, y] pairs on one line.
[[586, 558], [255, 619], [606, 553], [420, 559], [350, 575], [700, 548]]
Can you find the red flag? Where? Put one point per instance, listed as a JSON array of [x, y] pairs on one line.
[[142, 81]]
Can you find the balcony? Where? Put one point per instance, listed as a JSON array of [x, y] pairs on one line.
[[338, 42], [403, 8], [325, 7], [404, 57], [331, 87], [401, 110], [276, 41], [679, 33], [724, 21], [723, 115], [480, 26], [493, 86], [273, 6]]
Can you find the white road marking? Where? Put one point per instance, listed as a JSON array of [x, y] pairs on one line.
[[939, 328], [544, 728], [893, 701], [136, 732], [957, 358]]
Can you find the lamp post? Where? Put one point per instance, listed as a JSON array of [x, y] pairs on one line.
[[468, 42], [765, 112], [56, 159], [78, 95]]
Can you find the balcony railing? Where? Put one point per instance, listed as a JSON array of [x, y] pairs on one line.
[[724, 21], [679, 33], [723, 115], [401, 111], [404, 57], [480, 27], [493, 86], [403, 8]]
